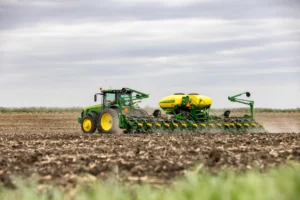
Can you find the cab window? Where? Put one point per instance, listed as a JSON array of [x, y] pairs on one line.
[[109, 99], [126, 96]]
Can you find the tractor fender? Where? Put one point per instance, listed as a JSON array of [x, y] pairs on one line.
[[92, 114]]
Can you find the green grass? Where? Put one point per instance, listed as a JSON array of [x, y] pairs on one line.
[[280, 183]]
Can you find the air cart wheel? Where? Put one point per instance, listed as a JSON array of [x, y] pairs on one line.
[[156, 113]]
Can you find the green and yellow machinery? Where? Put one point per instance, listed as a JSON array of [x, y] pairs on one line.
[[187, 113]]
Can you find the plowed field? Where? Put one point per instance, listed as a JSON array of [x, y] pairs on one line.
[[52, 148]]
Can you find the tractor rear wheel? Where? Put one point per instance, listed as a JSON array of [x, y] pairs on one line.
[[88, 124], [108, 121]]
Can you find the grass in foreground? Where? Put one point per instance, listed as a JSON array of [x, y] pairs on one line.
[[280, 183]]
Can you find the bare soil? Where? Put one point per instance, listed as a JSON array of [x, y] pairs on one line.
[[51, 148]]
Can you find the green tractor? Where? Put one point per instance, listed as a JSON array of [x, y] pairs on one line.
[[105, 116]]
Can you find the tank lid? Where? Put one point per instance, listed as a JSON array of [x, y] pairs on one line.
[[194, 94], [179, 94]]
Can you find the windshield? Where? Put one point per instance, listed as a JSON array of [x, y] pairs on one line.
[[109, 98]]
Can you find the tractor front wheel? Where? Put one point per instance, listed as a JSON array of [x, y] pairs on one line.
[[88, 124], [108, 121]]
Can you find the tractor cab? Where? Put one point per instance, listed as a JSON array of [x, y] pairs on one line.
[[110, 98]]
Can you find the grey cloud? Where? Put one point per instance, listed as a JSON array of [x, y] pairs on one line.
[[33, 12], [254, 45], [79, 51]]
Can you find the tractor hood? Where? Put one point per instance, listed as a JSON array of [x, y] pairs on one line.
[[94, 107]]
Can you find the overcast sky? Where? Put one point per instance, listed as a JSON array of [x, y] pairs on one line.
[[58, 53]]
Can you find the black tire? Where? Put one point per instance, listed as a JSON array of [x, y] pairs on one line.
[[114, 127], [226, 113], [92, 119], [156, 113]]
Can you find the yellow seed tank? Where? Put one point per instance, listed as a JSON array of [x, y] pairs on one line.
[[176, 100]]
